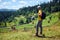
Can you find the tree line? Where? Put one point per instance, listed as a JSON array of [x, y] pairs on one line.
[[28, 12]]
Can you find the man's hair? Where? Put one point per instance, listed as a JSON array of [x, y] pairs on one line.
[[38, 7]]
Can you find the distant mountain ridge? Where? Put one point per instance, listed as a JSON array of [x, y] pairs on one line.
[[7, 9]]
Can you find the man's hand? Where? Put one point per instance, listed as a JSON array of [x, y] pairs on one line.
[[40, 14]]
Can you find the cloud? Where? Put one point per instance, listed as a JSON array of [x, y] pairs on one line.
[[13, 0], [31, 1], [0, 0], [22, 2], [3, 7], [6, 7], [16, 4], [6, 3], [15, 7], [49, 0]]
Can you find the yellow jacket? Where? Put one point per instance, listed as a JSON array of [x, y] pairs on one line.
[[39, 13]]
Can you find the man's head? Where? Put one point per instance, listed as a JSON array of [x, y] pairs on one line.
[[39, 7]]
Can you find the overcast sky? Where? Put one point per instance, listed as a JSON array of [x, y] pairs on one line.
[[16, 4]]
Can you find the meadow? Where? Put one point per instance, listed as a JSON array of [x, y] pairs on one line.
[[27, 31]]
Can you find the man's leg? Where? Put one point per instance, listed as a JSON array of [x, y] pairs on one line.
[[37, 28], [41, 27]]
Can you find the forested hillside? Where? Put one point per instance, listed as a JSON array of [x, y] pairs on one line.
[[28, 12]]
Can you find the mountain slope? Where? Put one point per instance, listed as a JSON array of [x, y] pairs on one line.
[[51, 33]]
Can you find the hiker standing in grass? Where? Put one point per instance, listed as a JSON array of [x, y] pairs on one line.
[[39, 24]]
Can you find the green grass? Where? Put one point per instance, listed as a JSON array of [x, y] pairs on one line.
[[52, 32], [53, 20]]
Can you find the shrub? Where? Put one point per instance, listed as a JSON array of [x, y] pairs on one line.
[[59, 16], [21, 22]]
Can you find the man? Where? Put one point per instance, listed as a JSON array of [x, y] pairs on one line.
[[39, 24]]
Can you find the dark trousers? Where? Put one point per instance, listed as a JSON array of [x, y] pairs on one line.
[[39, 25]]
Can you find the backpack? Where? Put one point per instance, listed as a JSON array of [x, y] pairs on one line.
[[43, 15]]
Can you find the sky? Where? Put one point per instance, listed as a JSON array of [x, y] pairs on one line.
[[16, 4]]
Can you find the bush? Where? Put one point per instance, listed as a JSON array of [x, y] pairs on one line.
[[28, 19], [59, 16], [21, 22]]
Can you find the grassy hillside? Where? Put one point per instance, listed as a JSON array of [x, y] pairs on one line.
[[54, 19], [27, 31], [51, 33]]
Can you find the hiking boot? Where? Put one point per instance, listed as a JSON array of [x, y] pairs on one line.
[[42, 35], [36, 35]]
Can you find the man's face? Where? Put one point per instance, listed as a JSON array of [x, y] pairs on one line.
[[39, 8]]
